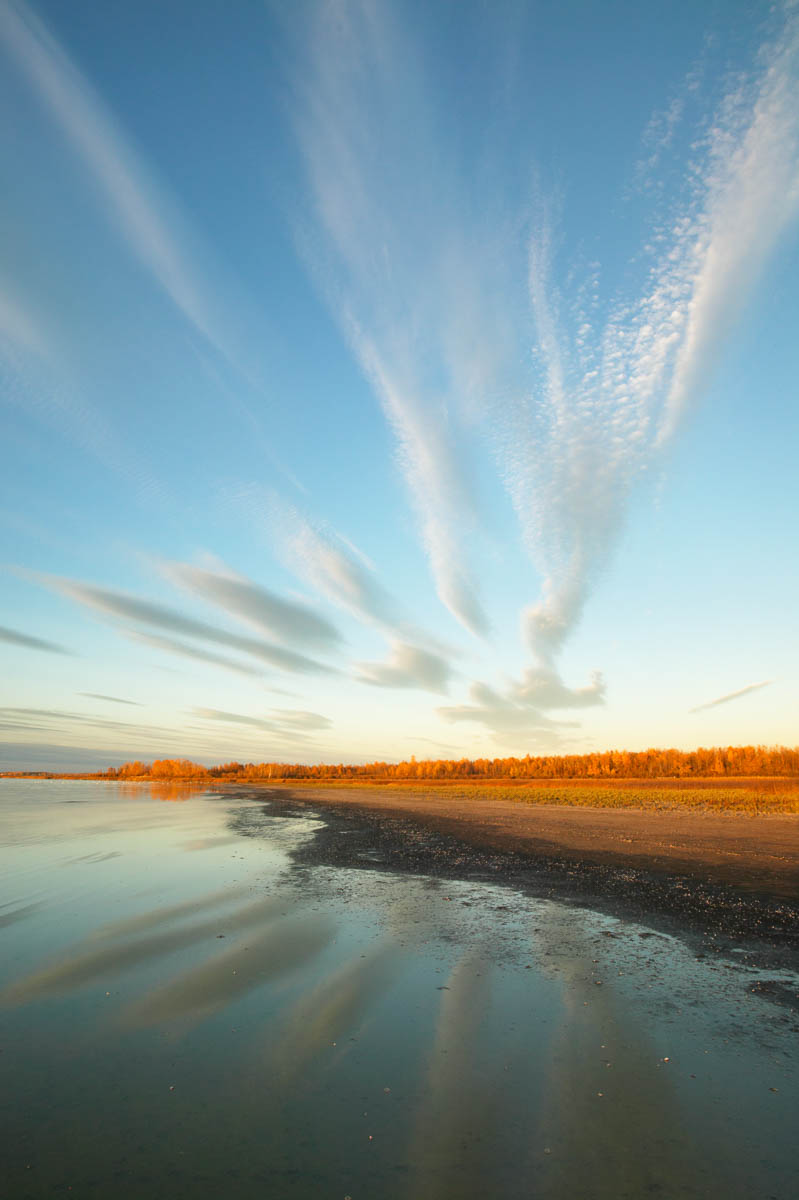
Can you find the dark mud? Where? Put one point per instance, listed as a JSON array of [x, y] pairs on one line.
[[714, 918]]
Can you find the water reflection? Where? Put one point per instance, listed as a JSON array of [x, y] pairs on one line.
[[102, 962], [166, 791], [332, 1011], [612, 1117], [9, 913], [166, 914], [457, 1119], [210, 843], [211, 987], [241, 1026]]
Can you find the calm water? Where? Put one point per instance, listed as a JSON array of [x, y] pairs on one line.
[[185, 1012]]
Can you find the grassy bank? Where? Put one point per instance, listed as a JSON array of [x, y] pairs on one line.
[[755, 797]]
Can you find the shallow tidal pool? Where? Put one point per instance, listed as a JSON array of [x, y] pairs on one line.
[[186, 1010]]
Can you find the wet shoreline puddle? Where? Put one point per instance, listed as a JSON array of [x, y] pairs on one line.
[[190, 1007]]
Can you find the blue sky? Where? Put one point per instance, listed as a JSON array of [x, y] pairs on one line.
[[382, 380]]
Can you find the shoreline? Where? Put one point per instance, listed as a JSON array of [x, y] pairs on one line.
[[718, 881], [758, 854]]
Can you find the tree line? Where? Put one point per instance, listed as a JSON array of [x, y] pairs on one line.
[[714, 761]]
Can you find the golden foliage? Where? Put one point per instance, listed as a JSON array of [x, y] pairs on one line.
[[714, 762]]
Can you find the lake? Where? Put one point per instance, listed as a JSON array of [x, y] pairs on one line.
[[190, 1008]]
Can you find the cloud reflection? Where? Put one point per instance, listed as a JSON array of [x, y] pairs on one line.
[[104, 955], [199, 993]]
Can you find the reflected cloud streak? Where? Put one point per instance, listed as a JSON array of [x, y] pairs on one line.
[[336, 1007], [207, 989], [82, 966]]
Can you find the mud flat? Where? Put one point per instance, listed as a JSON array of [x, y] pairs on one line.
[[737, 875]]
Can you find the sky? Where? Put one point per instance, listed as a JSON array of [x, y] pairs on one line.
[[391, 379]]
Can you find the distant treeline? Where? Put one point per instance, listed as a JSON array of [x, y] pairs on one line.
[[611, 764]]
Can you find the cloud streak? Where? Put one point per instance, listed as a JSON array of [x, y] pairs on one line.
[[290, 723], [334, 567], [383, 256], [18, 330], [28, 642], [153, 231], [185, 650], [283, 619], [126, 608], [64, 722], [440, 300], [615, 390], [338, 570], [744, 691], [115, 741]]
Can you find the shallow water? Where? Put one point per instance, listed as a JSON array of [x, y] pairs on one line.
[[186, 1011]]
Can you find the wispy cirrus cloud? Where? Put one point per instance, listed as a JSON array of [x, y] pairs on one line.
[[28, 383], [446, 746], [183, 649], [112, 699], [301, 718], [382, 243], [616, 389], [151, 224], [18, 329], [291, 723], [60, 720], [725, 699], [338, 570], [334, 567], [215, 714], [17, 638], [441, 299], [111, 741]]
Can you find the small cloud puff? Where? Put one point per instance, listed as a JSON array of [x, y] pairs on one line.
[[519, 711], [407, 667]]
